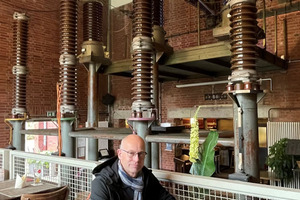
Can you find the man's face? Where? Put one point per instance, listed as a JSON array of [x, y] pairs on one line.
[[131, 156]]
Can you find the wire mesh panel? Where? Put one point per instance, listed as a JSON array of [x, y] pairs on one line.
[[1, 165], [75, 173], [191, 187], [1, 160]]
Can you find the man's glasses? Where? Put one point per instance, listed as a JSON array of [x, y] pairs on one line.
[[131, 154]]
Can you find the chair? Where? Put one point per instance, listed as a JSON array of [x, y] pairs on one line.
[[182, 164], [60, 193]]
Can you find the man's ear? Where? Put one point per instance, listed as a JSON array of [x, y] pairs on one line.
[[119, 153]]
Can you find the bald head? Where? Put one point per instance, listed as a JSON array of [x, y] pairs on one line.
[[132, 140]]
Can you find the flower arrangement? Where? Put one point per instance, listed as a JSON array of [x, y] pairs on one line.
[[202, 156]]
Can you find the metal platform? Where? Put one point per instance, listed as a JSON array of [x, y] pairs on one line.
[[212, 60]]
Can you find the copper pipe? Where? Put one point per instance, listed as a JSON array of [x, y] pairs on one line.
[[68, 71], [20, 37]]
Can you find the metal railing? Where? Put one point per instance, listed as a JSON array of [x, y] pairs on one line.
[[75, 173], [78, 175], [191, 187]]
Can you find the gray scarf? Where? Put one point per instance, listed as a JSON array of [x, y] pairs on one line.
[[137, 184]]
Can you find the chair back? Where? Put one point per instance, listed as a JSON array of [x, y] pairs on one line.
[[60, 193]]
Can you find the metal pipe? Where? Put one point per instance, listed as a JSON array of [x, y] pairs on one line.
[[155, 155], [275, 35], [108, 27], [285, 38], [17, 140], [155, 89], [264, 23], [206, 7], [68, 142], [269, 111], [198, 16], [92, 118], [201, 84], [143, 130], [250, 135], [266, 79]]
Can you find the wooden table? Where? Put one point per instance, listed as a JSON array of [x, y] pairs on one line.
[[8, 191]]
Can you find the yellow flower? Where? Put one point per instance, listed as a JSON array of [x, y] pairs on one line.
[[194, 138]]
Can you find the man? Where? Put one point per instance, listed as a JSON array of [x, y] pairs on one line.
[[125, 177]]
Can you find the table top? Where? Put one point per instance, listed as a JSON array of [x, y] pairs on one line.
[[7, 189]]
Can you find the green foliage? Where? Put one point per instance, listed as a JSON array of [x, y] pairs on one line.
[[205, 165], [40, 163], [279, 161]]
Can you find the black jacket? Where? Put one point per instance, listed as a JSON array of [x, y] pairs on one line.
[[108, 186]]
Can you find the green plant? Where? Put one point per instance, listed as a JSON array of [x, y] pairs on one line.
[[202, 156], [279, 162]]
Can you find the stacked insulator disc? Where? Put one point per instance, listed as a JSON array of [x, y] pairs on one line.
[[158, 12], [20, 58], [92, 21], [142, 18], [243, 35], [68, 71], [142, 50]]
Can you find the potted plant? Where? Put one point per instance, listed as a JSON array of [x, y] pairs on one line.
[[279, 162]]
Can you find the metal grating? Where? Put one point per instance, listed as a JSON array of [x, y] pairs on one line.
[[78, 175], [1, 160], [191, 187], [185, 192], [57, 170]]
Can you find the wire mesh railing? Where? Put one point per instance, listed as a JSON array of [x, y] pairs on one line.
[[191, 187], [75, 173]]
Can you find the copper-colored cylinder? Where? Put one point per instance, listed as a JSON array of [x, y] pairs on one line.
[[243, 35], [68, 71], [92, 21], [20, 37], [142, 21], [142, 52]]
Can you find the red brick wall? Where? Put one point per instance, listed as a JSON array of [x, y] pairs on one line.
[[42, 63]]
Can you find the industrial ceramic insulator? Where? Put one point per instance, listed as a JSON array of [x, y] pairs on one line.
[[68, 71], [142, 52], [243, 35], [20, 57], [158, 12], [92, 21], [142, 18]]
